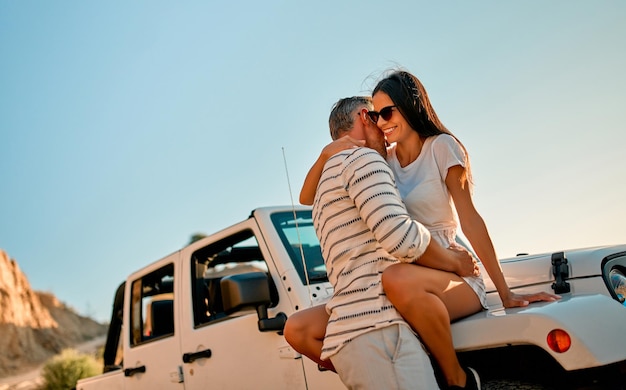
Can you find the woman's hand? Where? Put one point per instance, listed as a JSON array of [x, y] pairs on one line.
[[340, 144], [521, 300], [307, 193]]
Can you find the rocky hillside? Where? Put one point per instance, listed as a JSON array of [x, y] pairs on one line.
[[34, 326]]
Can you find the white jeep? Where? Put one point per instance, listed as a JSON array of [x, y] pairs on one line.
[[211, 315]]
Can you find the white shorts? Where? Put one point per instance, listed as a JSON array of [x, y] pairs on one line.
[[387, 358]]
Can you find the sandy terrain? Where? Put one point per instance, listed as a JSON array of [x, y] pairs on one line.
[[32, 380]]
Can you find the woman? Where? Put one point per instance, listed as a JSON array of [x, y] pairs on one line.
[[433, 174]]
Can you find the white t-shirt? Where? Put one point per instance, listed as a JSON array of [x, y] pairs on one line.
[[422, 186]]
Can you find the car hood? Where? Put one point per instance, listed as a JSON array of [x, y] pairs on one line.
[[528, 270]]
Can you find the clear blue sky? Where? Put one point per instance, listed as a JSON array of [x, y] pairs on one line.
[[125, 127]]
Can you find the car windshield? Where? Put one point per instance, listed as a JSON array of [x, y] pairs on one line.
[[300, 241], [299, 238]]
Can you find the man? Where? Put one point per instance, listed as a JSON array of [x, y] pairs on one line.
[[363, 227]]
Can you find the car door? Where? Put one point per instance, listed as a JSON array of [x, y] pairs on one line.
[[227, 351]]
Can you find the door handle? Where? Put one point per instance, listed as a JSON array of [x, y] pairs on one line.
[[193, 356], [134, 370]]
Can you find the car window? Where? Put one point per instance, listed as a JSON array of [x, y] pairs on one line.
[[152, 306], [237, 254]]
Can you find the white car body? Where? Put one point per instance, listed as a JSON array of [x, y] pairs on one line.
[[232, 337]]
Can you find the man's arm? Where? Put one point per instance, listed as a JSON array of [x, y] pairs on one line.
[[370, 183], [457, 260]]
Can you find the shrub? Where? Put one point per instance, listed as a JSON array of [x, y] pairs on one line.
[[64, 370]]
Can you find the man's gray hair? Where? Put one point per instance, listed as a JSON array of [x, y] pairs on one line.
[[342, 115]]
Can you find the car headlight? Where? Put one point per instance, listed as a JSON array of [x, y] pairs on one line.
[[618, 283]]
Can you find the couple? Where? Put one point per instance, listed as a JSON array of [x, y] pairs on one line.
[[388, 269]]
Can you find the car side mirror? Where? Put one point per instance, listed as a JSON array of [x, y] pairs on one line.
[[251, 289]]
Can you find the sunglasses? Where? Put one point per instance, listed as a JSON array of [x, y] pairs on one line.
[[385, 113]]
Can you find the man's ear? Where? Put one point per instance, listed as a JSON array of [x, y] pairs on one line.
[[363, 116]]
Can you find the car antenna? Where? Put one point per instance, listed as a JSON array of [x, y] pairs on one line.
[[295, 219]]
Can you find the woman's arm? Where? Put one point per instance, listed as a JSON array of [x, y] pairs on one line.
[[475, 230], [307, 193]]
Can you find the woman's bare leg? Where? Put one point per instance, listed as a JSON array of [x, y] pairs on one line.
[[429, 300], [305, 331]]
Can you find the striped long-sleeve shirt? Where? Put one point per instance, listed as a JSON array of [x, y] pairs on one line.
[[363, 227]]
